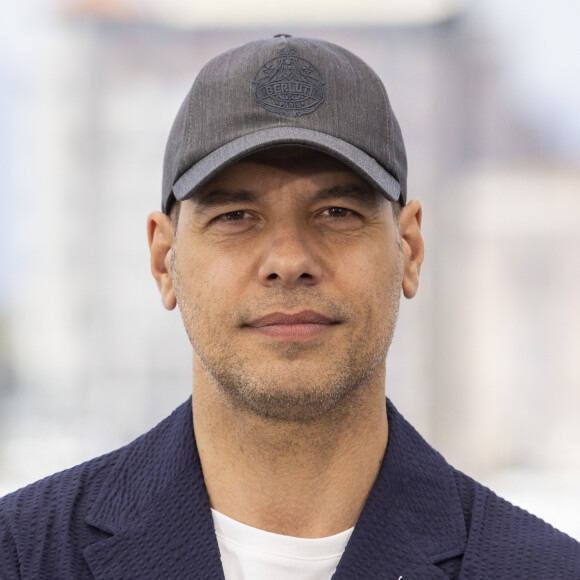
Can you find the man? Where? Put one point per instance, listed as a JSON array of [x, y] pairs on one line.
[[285, 240]]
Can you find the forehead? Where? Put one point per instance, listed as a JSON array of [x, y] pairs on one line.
[[281, 166]]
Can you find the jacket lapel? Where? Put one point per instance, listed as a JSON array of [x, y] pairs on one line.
[[412, 519], [155, 505]]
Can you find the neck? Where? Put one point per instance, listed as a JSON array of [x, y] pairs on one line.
[[304, 479]]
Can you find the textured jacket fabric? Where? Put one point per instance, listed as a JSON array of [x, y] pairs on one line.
[[142, 512]]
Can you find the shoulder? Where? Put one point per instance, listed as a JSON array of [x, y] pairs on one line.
[[468, 531], [48, 523], [508, 542], [70, 490], [48, 515]]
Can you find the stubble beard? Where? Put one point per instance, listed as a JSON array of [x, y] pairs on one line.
[[297, 390]]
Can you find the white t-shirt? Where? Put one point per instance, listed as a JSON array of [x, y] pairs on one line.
[[252, 554]]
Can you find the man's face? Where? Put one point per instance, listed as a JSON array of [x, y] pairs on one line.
[[288, 273]]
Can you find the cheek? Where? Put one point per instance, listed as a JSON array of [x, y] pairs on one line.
[[372, 270], [375, 280], [214, 284], [225, 276]]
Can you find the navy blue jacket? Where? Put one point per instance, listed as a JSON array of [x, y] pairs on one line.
[[142, 512]]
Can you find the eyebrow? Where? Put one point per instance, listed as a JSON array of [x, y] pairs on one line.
[[366, 196], [220, 197]]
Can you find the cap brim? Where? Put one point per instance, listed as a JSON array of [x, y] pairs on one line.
[[200, 173]]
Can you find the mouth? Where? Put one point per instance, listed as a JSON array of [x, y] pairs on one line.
[[301, 326]]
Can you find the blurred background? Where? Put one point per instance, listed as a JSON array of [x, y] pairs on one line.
[[485, 361]]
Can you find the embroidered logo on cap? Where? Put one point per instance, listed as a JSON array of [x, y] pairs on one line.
[[289, 85]]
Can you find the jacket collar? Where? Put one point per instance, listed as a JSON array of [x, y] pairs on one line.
[[155, 505], [413, 517]]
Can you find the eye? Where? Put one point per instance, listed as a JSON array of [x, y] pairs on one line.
[[337, 218], [235, 221], [337, 212], [233, 216]]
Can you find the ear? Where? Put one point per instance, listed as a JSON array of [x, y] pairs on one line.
[[413, 249], [160, 236]]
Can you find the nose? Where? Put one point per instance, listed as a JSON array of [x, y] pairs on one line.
[[289, 258]]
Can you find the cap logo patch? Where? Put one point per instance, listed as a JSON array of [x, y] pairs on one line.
[[289, 85]]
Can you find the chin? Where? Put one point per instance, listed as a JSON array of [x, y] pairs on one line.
[[283, 398]]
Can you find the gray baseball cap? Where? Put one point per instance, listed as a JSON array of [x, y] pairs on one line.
[[285, 91]]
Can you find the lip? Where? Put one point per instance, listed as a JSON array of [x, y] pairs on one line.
[[301, 326]]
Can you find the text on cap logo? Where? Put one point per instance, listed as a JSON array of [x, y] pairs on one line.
[[289, 85]]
